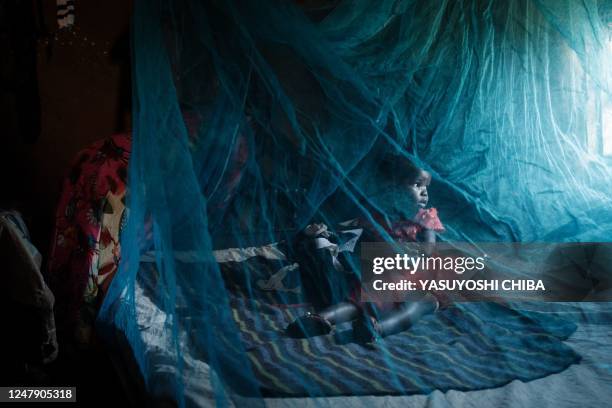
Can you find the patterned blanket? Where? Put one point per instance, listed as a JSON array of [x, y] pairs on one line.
[[468, 346]]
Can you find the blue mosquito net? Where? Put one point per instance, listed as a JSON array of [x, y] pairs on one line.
[[254, 119]]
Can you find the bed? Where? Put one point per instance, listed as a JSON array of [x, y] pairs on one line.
[[583, 377], [568, 360]]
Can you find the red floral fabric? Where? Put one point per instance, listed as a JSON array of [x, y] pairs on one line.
[[409, 231], [97, 171], [86, 251]]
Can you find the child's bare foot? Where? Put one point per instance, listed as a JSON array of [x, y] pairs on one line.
[[309, 325], [366, 330]]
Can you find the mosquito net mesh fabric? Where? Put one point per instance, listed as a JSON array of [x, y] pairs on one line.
[[254, 119]]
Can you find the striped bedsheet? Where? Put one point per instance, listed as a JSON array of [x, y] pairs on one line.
[[470, 346]]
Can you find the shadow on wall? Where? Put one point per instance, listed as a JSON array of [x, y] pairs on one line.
[[82, 90]]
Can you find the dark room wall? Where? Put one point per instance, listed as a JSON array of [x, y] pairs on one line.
[[82, 86]]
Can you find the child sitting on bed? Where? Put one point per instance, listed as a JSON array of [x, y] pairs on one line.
[[400, 214]]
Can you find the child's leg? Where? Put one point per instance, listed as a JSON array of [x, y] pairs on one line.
[[406, 316], [340, 313], [396, 321], [316, 324]]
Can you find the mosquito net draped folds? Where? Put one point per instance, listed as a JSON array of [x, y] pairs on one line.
[[253, 119]]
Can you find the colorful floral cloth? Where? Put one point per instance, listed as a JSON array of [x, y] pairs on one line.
[[90, 216], [425, 219], [85, 251]]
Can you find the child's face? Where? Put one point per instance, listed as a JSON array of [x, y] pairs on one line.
[[417, 190], [403, 201]]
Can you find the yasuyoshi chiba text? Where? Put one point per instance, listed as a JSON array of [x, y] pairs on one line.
[[480, 285]]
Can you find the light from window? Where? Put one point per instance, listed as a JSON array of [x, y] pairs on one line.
[[607, 129], [606, 109]]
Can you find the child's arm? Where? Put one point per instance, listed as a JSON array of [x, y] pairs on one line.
[[430, 223], [429, 238]]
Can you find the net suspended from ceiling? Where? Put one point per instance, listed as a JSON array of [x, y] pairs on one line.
[[255, 119]]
